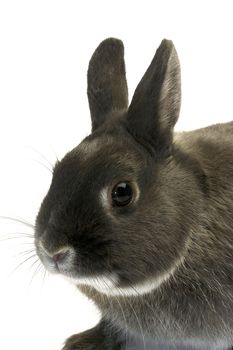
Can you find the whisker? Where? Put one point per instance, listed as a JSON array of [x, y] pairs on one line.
[[57, 160], [42, 164], [132, 308], [35, 271], [12, 235], [123, 314], [21, 221], [44, 275], [163, 325], [138, 321], [41, 155], [105, 297], [126, 325], [13, 238], [32, 244], [17, 233], [150, 307], [23, 262], [36, 261], [26, 252]]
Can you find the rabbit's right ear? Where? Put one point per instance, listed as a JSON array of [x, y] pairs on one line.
[[107, 87]]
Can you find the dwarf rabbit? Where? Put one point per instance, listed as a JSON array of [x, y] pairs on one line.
[[139, 217]]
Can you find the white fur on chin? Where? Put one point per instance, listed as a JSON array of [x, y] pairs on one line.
[[109, 284]]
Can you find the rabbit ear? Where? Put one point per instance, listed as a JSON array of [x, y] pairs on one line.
[[155, 106], [107, 87]]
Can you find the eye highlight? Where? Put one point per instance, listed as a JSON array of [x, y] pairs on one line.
[[122, 194]]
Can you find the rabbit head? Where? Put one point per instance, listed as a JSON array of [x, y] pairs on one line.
[[121, 204]]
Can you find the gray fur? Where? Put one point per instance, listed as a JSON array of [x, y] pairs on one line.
[[180, 223]]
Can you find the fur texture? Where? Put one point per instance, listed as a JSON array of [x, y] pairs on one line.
[[160, 267]]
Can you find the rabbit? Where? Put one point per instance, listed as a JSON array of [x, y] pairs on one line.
[[140, 217]]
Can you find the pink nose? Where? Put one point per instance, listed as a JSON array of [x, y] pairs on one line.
[[60, 256]]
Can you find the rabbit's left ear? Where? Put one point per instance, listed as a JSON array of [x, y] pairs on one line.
[[107, 87], [155, 106]]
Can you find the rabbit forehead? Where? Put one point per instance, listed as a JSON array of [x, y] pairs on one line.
[[88, 147], [110, 148]]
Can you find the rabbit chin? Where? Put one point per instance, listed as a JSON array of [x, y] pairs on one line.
[[110, 284]]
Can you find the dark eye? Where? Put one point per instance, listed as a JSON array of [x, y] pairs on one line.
[[122, 194]]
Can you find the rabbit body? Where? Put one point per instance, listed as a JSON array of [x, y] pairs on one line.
[[194, 307], [140, 217]]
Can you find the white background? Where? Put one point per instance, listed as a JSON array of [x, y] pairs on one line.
[[45, 47]]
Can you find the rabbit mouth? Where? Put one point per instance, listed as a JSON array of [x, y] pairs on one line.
[[62, 262], [110, 284]]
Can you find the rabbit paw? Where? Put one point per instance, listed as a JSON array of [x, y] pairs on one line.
[[80, 342], [97, 338]]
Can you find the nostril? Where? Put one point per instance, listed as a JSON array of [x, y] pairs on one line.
[[52, 257], [59, 256]]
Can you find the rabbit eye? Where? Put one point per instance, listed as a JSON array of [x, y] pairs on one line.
[[122, 194]]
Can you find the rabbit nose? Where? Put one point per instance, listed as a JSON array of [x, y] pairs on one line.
[[61, 255]]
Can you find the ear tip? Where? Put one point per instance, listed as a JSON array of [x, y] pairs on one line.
[[112, 41], [167, 48], [112, 45], [110, 50], [166, 43]]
